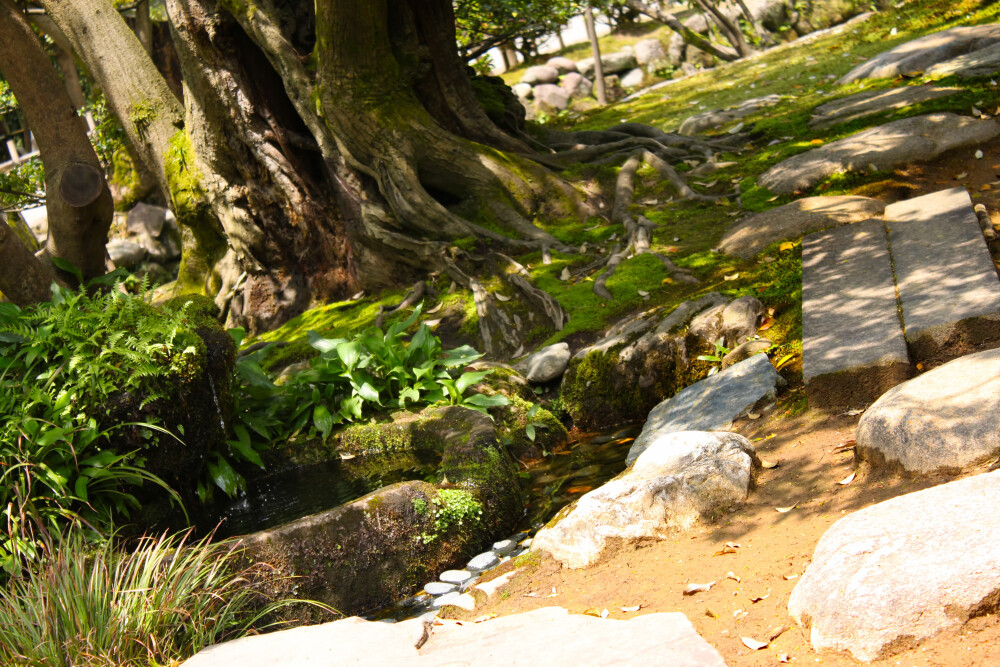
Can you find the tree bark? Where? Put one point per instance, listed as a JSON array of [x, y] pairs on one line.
[[595, 50], [690, 37], [23, 278], [78, 201], [144, 25]]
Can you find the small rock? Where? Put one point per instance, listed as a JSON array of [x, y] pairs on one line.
[[461, 600], [561, 64], [439, 588], [504, 547], [524, 91], [577, 85], [549, 96], [455, 576], [547, 364], [745, 351], [483, 562], [125, 254], [633, 78]]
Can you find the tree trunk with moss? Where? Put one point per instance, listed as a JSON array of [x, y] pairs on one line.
[[77, 197]]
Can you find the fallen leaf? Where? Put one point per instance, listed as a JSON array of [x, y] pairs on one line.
[[783, 510], [978, 155], [853, 413], [784, 361], [959, 177], [643, 293], [847, 480], [358, 296], [710, 613], [583, 248], [774, 197], [784, 657], [613, 236], [725, 550], [767, 259], [565, 274], [739, 613], [845, 446], [435, 308], [759, 598], [984, 187], [733, 576], [605, 613], [736, 128], [753, 644], [789, 577], [816, 142], [706, 185], [731, 277], [501, 297], [519, 351], [920, 366], [347, 457], [672, 249], [593, 611], [768, 465], [578, 489], [777, 632], [753, 415], [766, 324], [667, 281], [691, 589], [787, 245], [629, 610]]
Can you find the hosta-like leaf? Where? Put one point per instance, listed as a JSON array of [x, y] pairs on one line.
[[468, 379]]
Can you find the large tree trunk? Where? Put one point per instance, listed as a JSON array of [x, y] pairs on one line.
[[78, 200]]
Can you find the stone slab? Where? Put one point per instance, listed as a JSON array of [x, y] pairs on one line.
[[752, 234], [710, 120], [921, 54], [873, 102], [711, 404], [890, 576], [853, 349], [948, 287], [547, 636], [914, 139], [984, 62]]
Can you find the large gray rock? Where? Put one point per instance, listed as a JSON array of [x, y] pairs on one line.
[[710, 120], [613, 63], [946, 420], [547, 364], [649, 51], [155, 229], [524, 91], [890, 576], [540, 74], [853, 349], [577, 85], [874, 101], [948, 289], [752, 234], [711, 404], [678, 481], [921, 54], [915, 139], [550, 635], [984, 62], [550, 97]]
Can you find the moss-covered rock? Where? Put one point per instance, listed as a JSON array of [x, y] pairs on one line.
[[513, 420], [640, 362], [367, 553]]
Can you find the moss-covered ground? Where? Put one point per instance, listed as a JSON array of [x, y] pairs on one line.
[[804, 75]]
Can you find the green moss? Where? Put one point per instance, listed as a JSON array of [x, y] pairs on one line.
[[452, 508], [592, 395], [126, 179], [341, 317], [184, 178], [513, 420], [142, 114]]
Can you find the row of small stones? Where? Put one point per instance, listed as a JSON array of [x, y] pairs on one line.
[[451, 586]]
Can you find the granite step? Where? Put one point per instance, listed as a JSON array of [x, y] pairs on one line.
[[853, 349], [948, 287]]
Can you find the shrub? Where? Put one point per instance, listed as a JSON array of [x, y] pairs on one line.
[[99, 605]]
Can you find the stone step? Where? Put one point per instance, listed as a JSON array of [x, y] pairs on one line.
[[853, 349], [948, 287]]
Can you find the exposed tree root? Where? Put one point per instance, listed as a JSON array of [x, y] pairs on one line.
[[415, 295], [640, 233]]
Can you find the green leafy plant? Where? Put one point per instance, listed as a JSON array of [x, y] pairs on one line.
[[720, 351], [452, 507], [351, 378], [160, 602]]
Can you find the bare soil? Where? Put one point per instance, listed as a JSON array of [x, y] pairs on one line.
[[759, 552]]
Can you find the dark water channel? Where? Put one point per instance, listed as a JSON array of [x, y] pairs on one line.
[[550, 484]]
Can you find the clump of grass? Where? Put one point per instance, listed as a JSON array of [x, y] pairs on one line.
[[99, 605]]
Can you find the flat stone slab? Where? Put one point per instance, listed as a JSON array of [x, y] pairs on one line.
[[888, 577], [853, 349], [710, 120], [921, 54], [550, 635], [679, 480], [872, 102], [984, 62], [751, 235], [948, 287], [711, 404], [546, 364], [915, 139], [946, 420]]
